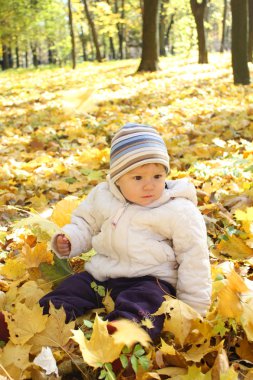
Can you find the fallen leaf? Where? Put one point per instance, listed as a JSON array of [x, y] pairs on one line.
[[128, 333], [101, 348], [35, 322], [46, 361], [57, 332], [33, 257], [178, 319]]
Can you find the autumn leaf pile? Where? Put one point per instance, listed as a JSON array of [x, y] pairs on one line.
[[56, 126]]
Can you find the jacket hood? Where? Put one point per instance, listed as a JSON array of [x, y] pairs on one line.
[[180, 188]]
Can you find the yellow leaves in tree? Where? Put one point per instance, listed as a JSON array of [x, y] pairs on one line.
[[33, 257], [25, 323], [63, 210]]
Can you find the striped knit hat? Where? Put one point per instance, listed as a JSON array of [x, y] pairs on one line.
[[135, 145]]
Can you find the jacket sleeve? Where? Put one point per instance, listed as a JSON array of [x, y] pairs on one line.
[[189, 238], [84, 224]]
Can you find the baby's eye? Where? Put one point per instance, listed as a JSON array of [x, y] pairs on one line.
[[157, 176], [137, 177]]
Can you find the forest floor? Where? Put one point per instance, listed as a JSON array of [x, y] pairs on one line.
[[56, 125]]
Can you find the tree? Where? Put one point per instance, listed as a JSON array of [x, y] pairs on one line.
[[239, 10], [121, 26], [198, 11], [93, 31], [223, 26], [250, 38], [150, 36], [72, 35]]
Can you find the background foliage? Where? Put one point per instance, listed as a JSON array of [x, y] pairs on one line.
[[30, 28]]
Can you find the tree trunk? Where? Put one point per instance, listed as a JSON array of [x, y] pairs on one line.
[[120, 27], [10, 58], [93, 31], [150, 36], [224, 26], [250, 35], [5, 62], [83, 43], [167, 35], [26, 59], [72, 35], [17, 56], [239, 49], [112, 49], [35, 56], [162, 32], [198, 11]]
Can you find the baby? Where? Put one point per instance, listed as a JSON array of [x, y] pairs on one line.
[[150, 238]]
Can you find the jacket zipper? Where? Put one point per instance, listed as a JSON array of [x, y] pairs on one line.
[[118, 215]]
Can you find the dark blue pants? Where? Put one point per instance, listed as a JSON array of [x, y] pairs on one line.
[[135, 298]]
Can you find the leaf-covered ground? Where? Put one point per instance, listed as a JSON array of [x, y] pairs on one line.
[[56, 126]]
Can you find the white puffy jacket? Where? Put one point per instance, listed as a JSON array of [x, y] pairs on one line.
[[166, 239]]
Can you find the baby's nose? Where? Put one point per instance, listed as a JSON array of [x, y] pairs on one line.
[[148, 184]]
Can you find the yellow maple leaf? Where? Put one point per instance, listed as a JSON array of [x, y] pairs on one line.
[[128, 333], [41, 224], [245, 349], [33, 257], [8, 302], [15, 354], [201, 331], [221, 364], [25, 323], [108, 302], [63, 210], [167, 348], [30, 293], [246, 218], [246, 319], [236, 283], [180, 319], [13, 269], [38, 203], [173, 372], [65, 188], [229, 304], [57, 333], [101, 348], [196, 374], [146, 322], [235, 247], [197, 352]]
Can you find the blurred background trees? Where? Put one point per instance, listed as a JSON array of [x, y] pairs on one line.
[[38, 32]]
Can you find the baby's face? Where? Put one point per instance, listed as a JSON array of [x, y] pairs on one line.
[[144, 184]]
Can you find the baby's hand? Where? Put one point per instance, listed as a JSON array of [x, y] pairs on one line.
[[63, 245]]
